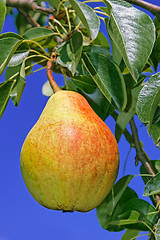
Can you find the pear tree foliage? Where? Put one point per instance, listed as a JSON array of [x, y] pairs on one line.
[[117, 74]]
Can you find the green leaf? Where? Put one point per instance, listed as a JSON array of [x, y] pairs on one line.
[[133, 32], [112, 206], [54, 3], [84, 83], [46, 89], [126, 133], [20, 84], [8, 47], [157, 232], [156, 117], [98, 49], [155, 133], [2, 13], [5, 90], [108, 78], [91, 92], [148, 99], [155, 164], [87, 16], [117, 56], [101, 40], [125, 116], [20, 55], [130, 234], [21, 23], [37, 34], [132, 219], [12, 35], [152, 186], [157, 48], [70, 52], [12, 72], [49, 43], [18, 58], [148, 214]]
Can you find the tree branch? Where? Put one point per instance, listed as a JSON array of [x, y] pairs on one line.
[[29, 5], [154, 9], [140, 154], [142, 157], [28, 17]]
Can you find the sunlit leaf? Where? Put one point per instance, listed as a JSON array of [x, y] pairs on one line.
[[46, 89], [148, 100], [18, 58], [133, 33]]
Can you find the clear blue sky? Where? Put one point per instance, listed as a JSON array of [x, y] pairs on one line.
[[21, 217]]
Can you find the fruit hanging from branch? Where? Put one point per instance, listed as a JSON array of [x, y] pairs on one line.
[[70, 158]]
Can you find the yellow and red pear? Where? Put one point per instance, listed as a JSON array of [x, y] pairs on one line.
[[70, 158]]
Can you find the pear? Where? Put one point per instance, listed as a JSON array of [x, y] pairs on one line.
[[70, 158]]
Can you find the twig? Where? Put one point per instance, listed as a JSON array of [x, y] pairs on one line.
[[154, 9], [28, 17], [141, 156], [29, 5], [52, 82]]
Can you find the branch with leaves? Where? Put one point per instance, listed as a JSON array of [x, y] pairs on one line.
[[142, 156], [112, 80]]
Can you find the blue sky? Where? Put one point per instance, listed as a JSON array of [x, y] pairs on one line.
[[21, 217]]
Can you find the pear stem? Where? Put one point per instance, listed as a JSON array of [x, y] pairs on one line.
[[52, 82]]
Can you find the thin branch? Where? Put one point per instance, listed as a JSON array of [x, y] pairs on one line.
[[140, 155], [28, 17], [146, 5], [29, 5], [154, 9]]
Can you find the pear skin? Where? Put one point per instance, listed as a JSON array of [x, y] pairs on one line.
[[70, 158]]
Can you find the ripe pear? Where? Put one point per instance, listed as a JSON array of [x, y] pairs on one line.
[[70, 158]]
